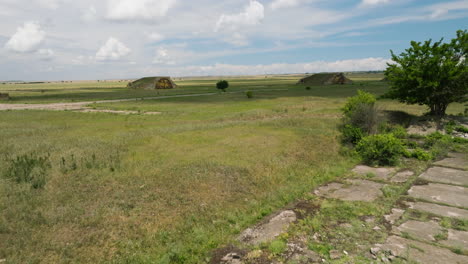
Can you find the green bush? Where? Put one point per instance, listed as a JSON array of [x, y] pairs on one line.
[[249, 94], [397, 130], [308, 88], [29, 168], [433, 138], [351, 134], [450, 127], [382, 149], [419, 154], [461, 129], [361, 117], [362, 98]]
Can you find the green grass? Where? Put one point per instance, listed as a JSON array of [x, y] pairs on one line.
[[164, 188]]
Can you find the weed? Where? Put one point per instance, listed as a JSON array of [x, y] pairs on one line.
[[29, 168], [277, 247]]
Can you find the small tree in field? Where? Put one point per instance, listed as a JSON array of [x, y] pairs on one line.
[[222, 85], [432, 74]]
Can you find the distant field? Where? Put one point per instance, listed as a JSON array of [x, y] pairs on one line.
[[164, 188], [106, 90]]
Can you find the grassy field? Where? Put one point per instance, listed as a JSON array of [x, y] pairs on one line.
[[167, 188]]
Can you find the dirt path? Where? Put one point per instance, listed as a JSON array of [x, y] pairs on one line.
[[77, 106]]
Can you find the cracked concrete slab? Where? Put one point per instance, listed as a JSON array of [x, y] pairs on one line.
[[379, 173], [446, 175], [331, 187], [455, 161], [441, 210], [402, 176], [424, 231], [358, 190], [441, 193], [421, 252], [270, 230], [456, 239], [394, 216]]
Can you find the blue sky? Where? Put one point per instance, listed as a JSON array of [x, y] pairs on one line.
[[81, 40]]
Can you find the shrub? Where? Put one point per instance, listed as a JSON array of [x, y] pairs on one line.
[[29, 169], [351, 134], [361, 98], [364, 116], [397, 130], [360, 117], [382, 149], [222, 85], [419, 154], [308, 88], [249, 94], [433, 138]]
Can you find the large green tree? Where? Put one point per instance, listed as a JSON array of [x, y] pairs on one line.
[[431, 73]]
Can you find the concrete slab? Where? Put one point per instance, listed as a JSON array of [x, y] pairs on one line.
[[269, 230], [379, 173], [424, 231], [458, 155], [441, 210], [359, 190], [446, 175], [441, 193], [326, 189], [394, 216], [421, 252], [456, 239], [457, 162], [402, 176]]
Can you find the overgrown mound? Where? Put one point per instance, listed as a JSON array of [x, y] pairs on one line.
[[325, 79]]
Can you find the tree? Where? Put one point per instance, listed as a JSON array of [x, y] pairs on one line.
[[222, 85], [431, 74]]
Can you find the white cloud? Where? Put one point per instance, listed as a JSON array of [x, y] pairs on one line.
[[374, 2], [90, 14], [162, 57], [284, 3], [155, 37], [27, 38], [442, 9], [113, 49], [252, 15], [142, 10], [51, 4], [46, 54]]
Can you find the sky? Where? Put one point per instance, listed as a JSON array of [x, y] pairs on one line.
[[120, 39]]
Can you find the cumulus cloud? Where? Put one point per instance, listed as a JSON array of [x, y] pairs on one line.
[[374, 2], [27, 38], [284, 3], [253, 14], [113, 49], [143, 10]]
